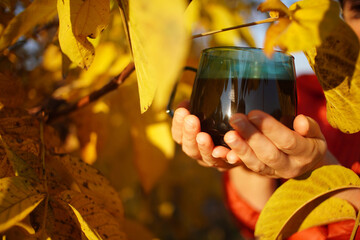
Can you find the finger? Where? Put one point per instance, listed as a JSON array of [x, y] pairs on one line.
[[307, 127], [243, 150], [282, 137], [220, 152], [206, 146], [262, 147], [191, 127], [177, 124]]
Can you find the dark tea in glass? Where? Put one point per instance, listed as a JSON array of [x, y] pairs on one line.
[[238, 80]]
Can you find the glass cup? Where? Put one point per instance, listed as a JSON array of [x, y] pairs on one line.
[[233, 80]]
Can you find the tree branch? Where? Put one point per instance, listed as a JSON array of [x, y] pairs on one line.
[[268, 20], [112, 85]]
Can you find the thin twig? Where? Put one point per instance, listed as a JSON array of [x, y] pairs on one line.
[[112, 85], [268, 20]]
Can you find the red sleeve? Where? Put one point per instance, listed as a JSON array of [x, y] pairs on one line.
[[245, 216]]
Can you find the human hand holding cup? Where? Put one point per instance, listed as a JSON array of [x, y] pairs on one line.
[[233, 80]]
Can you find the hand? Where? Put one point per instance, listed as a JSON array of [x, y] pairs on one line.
[[196, 144], [269, 148]]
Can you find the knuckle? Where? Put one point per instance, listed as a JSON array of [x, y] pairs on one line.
[[289, 143], [270, 157]]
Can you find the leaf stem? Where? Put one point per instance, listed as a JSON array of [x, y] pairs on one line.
[[268, 20], [42, 147], [356, 226]]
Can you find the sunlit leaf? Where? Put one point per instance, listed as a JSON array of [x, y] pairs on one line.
[[192, 14], [90, 233], [152, 141], [92, 18], [76, 47], [159, 42], [331, 210], [293, 201], [336, 63], [39, 11], [88, 153], [18, 198], [274, 6], [221, 18], [93, 217], [311, 22]]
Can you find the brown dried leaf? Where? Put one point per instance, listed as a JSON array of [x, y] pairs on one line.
[[60, 224], [96, 217], [91, 182]]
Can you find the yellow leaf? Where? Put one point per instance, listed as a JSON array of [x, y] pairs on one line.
[[94, 220], [90, 233], [77, 48], [151, 138], [38, 12], [92, 18], [336, 63], [52, 59], [331, 210], [290, 204], [245, 33], [311, 22], [159, 134], [159, 41], [88, 153], [273, 34], [221, 18], [274, 6], [18, 198], [192, 14]]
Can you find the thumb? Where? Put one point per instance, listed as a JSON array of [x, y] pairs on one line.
[[307, 127]]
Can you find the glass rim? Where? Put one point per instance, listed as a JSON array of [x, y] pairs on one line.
[[246, 48]]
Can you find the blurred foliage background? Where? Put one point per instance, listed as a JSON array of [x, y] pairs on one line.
[[161, 188]]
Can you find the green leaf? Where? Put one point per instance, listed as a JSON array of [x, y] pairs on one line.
[[38, 12], [159, 42], [18, 198], [293, 201]]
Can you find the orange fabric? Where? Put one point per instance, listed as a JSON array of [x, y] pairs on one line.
[[334, 231], [345, 147]]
